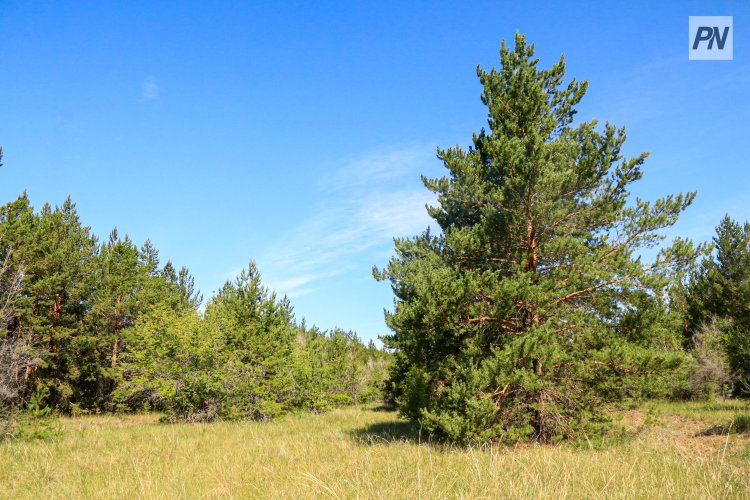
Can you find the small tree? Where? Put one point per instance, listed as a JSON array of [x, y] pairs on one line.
[[720, 290], [710, 376], [522, 317]]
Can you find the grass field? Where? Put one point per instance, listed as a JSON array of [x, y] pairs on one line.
[[672, 450]]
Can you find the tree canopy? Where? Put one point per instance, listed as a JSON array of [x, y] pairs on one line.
[[89, 327], [523, 314]]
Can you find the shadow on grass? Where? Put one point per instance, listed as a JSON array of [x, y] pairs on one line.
[[740, 424], [403, 431], [399, 431], [384, 407]]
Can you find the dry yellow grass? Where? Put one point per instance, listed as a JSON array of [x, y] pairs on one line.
[[358, 452]]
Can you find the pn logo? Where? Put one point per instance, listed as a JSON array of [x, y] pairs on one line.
[[710, 38]]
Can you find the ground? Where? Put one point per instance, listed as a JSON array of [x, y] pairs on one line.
[[685, 450]]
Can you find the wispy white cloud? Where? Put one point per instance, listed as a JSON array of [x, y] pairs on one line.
[[377, 167], [293, 283], [293, 286], [150, 90], [369, 200]]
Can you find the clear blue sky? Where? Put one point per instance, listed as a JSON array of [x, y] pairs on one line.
[[295, 134]]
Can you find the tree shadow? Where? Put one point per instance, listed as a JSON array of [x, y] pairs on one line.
[[740, 424], [385, 407], [390, 432], [404, 431]]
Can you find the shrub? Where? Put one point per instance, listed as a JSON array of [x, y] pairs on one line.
[[710, 376]]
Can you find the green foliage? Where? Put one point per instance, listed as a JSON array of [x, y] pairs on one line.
[[38, 421], [56, 254], [246, 359], [77, 297], [105, 327], [741, 423], [335, 368], [534, 307], [413, 392], [719, 294], [710, 375]]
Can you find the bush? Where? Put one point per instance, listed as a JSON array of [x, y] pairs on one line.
[[710, 376], [14, 358]]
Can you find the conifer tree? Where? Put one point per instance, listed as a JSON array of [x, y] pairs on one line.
[[57, 254], [116, 300], [246, 359], [719, 294], [518, 320], [182, 285], [257, 328]]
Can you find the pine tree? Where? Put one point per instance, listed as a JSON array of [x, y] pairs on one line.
[[57, 254], [719, 296], [246, 359], [518, 319], [116, 299], [257, 329], [182, 286]]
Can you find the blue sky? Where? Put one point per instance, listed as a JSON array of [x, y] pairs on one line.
[[294, 134]]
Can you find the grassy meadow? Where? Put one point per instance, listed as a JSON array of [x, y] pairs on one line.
[[670, 450]]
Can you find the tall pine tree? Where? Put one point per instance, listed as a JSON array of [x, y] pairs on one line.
[[518, 320]]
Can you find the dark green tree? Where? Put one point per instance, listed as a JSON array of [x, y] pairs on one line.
[[121, 277], [57, 255], [719, 296], [529, 309]]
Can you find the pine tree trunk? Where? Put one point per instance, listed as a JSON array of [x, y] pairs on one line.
[[29, 365], [116, 345], [57, 306], [530, 267], [115, 348]]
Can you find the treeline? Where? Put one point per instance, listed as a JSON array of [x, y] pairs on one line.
[[92, 327], [244, 358]]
